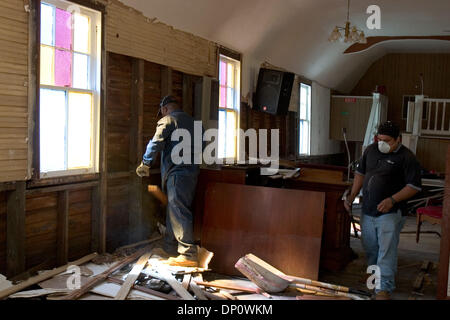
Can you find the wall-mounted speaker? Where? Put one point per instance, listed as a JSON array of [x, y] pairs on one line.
[[273, 91]]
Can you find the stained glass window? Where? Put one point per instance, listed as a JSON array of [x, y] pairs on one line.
[[70, 82], [229, 100]]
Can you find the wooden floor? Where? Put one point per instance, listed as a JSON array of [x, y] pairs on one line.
[[410, 258]]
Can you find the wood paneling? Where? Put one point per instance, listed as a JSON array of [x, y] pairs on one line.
[[80, 214], [152, 98], [400, 73], [2, 232], [431, 153], [117, 219], [281, 226], [119, 100], [41, 228], [252, 119], [13, 91], [444, 264], [130, 33]]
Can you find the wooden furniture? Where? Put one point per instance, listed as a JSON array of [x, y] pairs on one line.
[[336, 252], [225, 174], [443, 291], [431, 214], [281, 226]]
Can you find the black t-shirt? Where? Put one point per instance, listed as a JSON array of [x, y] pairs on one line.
[[385, 175]]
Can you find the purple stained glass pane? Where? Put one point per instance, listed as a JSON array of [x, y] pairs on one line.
[[223, 96], [63, 29], [63, 68], [223, 73]]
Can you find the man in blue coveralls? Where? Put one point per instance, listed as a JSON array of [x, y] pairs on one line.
[[179, 180], [389, 175]]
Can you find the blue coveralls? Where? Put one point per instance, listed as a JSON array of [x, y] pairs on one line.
[[179, 180]]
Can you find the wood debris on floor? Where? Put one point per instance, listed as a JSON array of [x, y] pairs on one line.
[[140, 272]]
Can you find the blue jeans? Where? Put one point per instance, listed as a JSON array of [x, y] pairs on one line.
[[380, 237], [179, 218]]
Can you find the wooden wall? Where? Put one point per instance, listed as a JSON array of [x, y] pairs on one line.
[[13, 91], [431, 153], [400, 73], [2, 232], [250, 118], [130, 33]]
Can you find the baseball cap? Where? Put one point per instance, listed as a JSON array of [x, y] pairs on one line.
[[165, 101]]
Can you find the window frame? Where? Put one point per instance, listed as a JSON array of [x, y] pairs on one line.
[[236, 60], [96, 53], [307, 120]]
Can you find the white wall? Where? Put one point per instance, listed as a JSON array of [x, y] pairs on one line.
[[320, 122]]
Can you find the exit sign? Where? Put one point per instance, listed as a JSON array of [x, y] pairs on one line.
[[350, 100]]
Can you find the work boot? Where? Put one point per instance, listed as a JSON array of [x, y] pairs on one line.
[[383, 295], [182, 261]]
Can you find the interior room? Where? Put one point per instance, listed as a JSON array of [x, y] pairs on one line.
[[240, 150]]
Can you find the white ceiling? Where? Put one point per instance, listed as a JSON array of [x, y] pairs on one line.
[[293, 34]]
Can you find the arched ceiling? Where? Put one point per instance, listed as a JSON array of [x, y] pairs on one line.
[[293, 34]]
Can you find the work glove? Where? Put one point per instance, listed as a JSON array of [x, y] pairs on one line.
[[143, 170]]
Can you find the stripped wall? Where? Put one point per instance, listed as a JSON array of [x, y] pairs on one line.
[[13, 91], [130, 33]]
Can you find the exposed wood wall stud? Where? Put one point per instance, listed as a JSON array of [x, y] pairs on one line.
[[15, 230]]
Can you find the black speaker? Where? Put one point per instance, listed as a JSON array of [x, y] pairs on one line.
[[273, 91]]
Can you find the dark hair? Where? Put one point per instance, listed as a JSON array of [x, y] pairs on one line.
[[390, 129], [166, 100]]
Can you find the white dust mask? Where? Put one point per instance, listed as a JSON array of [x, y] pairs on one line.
[[384, 147]]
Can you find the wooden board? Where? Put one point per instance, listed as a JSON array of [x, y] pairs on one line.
[[283, 227], [443, 291]]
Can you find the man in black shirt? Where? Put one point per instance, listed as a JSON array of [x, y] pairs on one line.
[[389, 174]]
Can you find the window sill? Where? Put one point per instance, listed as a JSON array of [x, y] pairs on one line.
[[43, 182]]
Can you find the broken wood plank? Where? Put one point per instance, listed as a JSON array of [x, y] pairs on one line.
[[167, 277], [158, 194], [186, 281], [228, 287], [214, 296], [103, 276], [196, 289], [132, 277], [44, 276], [145, 290], [140, 243], [228, 295]]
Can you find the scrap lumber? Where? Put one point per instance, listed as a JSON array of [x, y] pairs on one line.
[[196, 289], [132, 277], [38, 293], [186, 281], [44, 276], [158, 194], [271, 279], [137, 244], [228, 295], [101, 277], [145, 290], [228, 287], [167, 277], [214, 296]]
